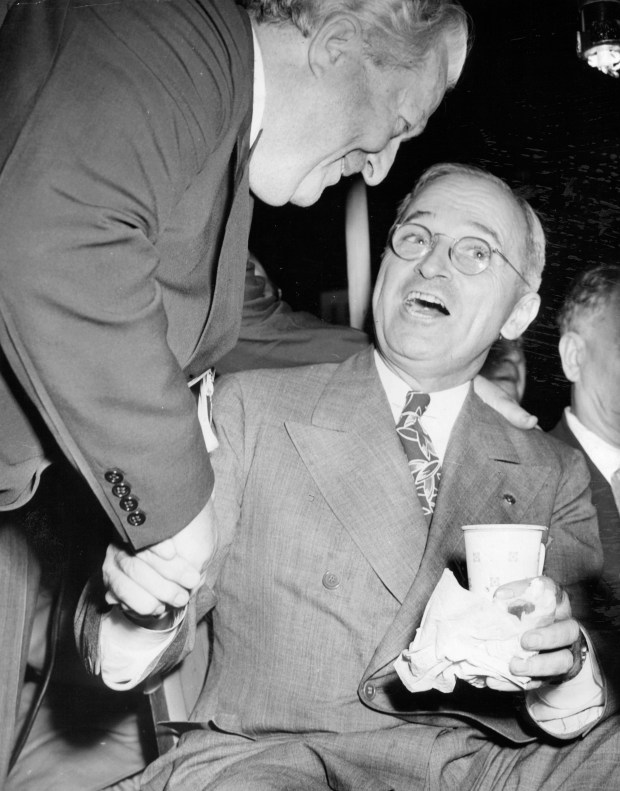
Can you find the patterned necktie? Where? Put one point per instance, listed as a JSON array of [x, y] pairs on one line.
[[615, 487], [424, 464]]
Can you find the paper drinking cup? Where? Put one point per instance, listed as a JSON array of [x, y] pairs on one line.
[[497, 554]]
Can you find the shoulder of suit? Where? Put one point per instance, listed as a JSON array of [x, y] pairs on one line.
[[277, 385], [540, 443]]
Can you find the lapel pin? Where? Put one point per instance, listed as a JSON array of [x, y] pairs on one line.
[[510, 499]]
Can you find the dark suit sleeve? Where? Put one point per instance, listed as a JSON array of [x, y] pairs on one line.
[[574, 552], [274, 336], [102, 151], [230, 465], [575, 557]]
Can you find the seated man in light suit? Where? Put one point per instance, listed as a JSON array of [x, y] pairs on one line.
[[329, 550], [590, 351]]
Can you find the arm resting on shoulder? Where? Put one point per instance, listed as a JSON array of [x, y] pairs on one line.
[[275, 336]]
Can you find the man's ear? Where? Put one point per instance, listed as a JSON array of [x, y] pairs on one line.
[[572, 350], [338, 36], [521, 316]]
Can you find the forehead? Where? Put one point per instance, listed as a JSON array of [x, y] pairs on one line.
[[413, 93], [470, 204], [427, 83]]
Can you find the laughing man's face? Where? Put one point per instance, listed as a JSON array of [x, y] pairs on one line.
[[434, 325]]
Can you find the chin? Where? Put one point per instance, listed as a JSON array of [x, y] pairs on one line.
[[267, 196], [306, 197], [270, 191], [310, 189]]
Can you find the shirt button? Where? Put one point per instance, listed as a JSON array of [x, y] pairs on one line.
[[129, 503], [137, 518], [330, 580], [121, 489], [114, 476], [369, 690]]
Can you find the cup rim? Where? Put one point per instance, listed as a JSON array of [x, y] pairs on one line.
[[504, 526]]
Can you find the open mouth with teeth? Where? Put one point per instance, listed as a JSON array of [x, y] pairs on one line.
[[426, 302]]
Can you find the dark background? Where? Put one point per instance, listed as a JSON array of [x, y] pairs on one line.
[[530, 111]]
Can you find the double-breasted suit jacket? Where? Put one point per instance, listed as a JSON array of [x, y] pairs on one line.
[[329, 562]]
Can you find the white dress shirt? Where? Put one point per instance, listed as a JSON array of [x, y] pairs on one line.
[[604, 456], [258, 95], [440, 415]]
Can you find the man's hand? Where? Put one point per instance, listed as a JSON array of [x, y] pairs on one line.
[[555, 636], [501, 402], [164, 575]]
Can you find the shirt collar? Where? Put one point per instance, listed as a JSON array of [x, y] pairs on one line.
[[258, 100], [441, 414], [443, 402], [604, 456]]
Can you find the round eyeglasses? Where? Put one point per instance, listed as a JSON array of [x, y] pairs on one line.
[[470, 255]]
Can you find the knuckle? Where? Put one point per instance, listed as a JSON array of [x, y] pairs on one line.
[[127, 563]]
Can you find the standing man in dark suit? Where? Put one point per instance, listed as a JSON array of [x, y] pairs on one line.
[[589, 324], [131, 134], [332, 543]]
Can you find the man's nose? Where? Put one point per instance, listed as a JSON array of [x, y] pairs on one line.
[[437, 262], [377, 165]]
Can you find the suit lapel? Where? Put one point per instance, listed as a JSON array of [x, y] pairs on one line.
[[602, 494], [473, 490], [605, 504], [354, 456], [223, 324]]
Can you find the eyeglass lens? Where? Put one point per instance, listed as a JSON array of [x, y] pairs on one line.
[[469, 254]]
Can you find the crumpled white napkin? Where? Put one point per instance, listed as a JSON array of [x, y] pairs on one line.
[[465, 635]]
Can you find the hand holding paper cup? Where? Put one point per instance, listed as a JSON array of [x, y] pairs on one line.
[[498, 553]]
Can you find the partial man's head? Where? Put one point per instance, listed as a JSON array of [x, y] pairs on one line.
[[506, 366], [462, 266], [589, 324], [346, 82]]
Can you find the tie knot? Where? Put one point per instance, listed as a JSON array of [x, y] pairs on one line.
[[416, 403]]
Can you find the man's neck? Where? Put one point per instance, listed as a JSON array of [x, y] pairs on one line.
[[604, 455], [426, 382], [595, 418]]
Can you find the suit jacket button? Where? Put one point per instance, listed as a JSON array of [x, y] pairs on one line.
[[330, 580], [121, 489], [129, 503], [113, 476], [136, 518], [369, 690]]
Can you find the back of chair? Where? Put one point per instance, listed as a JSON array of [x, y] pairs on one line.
[[357, 235]]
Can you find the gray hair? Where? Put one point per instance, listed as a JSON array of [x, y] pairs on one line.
[[534, 243], [591, 292], [398, 33]]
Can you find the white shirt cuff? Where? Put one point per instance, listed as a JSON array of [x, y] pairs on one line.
[[127, 650], [565, 709]]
